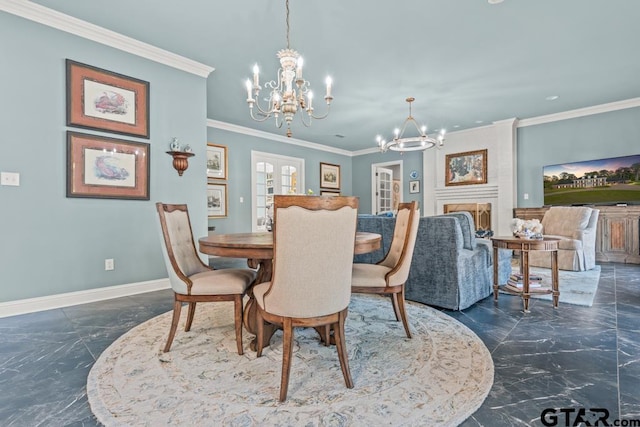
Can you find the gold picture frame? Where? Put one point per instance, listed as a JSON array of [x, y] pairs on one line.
[[217, 158], [468, 168], [216, 200]]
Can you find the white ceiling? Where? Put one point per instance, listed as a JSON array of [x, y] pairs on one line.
[[467, 62]]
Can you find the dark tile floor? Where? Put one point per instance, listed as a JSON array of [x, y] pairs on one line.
[[573, 357]]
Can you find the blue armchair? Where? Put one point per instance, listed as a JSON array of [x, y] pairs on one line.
[[450, 267]]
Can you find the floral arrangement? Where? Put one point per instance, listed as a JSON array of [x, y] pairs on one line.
[[527, 229]]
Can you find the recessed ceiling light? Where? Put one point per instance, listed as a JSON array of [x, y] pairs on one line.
[[479, 121], [456, 126], [495, 1], [552, 97]]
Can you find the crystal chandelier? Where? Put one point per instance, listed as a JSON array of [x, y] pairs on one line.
[[410, 143], [285, 99]]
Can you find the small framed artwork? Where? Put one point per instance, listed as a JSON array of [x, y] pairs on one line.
[[216, 200], [104, 100], [329, 176], [329, 193], [466, 168], [216, 161], [414, 186], [106, 168]]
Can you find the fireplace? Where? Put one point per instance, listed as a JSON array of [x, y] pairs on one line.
[[481, 213]]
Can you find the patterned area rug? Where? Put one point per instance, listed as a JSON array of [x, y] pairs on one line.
[[440, 377], [576, 287]]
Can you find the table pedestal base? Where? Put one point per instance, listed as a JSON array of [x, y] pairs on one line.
[[524, 246]]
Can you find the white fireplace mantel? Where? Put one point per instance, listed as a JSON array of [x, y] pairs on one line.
[[499, 139]]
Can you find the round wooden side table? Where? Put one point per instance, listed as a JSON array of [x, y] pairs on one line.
[[548, 244]]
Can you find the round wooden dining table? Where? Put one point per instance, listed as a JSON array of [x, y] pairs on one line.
[[257, 248]]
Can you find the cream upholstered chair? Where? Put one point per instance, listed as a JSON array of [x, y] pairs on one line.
[[193, 281], [575, 226], [388, 276], [313, 245]]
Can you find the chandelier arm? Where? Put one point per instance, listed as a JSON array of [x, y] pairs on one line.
[[257, 119], [322, 116], [306, 124], [268, 112], [274, 87]]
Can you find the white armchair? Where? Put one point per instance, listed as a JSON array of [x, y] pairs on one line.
[[575, 226]]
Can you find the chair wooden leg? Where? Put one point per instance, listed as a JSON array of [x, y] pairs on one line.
[[287, 354], [341, 347], [260, 333], [237, 321], [396, 309], [177, 307], [403, 313], [192, 312]]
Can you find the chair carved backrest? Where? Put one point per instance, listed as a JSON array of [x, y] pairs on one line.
[[314, 240], [404, 239], [179, 250]]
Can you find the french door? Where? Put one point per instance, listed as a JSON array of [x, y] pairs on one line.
[[272, 174], [384, 199]]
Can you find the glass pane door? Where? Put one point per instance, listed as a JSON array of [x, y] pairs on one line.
[[384, 190], [272, 174]]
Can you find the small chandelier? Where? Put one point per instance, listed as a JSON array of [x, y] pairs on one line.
[[411, 143], [284, 100]]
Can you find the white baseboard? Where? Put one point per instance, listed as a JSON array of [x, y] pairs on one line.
[[31, 305]]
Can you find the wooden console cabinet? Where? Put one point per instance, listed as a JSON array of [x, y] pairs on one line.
[[618, 235]]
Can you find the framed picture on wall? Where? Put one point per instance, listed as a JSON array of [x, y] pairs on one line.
[[104, 100], [106, 168], [466, 168], [414, 187], [216, 200], [329, 176], [216, 161]]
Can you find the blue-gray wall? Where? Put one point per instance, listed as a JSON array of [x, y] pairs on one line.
[[239, 148], [51, 244], [597, 136], [362, 175]]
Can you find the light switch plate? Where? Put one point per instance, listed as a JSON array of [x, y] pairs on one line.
[[10, 178]]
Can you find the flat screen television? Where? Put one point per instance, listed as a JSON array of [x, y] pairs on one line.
[[611, 181]]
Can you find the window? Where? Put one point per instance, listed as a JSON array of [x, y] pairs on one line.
[[272, 174]]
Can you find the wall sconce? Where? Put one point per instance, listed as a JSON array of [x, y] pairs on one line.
[[180, 156]]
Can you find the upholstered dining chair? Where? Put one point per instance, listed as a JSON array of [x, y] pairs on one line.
[[313, 245], [191, 280], [389, 275]]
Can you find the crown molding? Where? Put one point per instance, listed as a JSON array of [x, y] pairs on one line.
[[364, 151], [60, 21], [580, 112], [274, 137]]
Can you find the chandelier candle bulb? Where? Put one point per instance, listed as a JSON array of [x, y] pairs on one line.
[[248, 84], [256, 76], [329, 83], [299, 68]]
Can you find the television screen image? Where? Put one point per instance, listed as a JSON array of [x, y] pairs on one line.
[[611, 181]]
